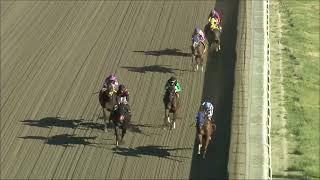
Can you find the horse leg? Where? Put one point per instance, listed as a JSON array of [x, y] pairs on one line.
[[122, 134], [174, 121], [201, 63], [200, 143], [206, 146], [124, 130], [117, 134], [168, 115], [193, 62], [217, 47], [105, 120]]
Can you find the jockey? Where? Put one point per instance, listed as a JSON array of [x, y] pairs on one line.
[[198, 32], [122, 96], [173, 82], [215, 15], [207, 109], [111, 79], [215, 20]]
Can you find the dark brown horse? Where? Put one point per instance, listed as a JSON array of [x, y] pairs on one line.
[[171, 105], [204, 135], [107, 99], [120, 117], [198, 49], [213, 37]]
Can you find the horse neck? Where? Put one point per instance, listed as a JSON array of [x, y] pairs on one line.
[[200, 48], [172, 96], [207, 123], [216, 33], [110, 87]]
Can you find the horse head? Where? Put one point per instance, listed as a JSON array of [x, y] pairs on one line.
[[217, 34], [120, 112]]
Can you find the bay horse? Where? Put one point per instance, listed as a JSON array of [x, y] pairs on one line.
[[198, 49], [120, 117], [204, 135], [171, 104], [213, 37], [107, 100]]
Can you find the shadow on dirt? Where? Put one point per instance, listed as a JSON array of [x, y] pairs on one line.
[[48, 122], [158, 151], [218, 89], [152, 68], [167, 52], [65, 140]]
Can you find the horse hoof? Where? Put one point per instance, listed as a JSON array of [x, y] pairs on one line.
[[174, 125], [117, 143], [168, 119], [198, 152]]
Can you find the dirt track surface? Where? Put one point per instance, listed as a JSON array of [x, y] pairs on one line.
[[54, 56]]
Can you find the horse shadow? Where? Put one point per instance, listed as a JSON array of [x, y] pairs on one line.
[[92, 125], [135, 128], [151, 150], [167, 51], [48, 122], [152, 68], [64, 140]]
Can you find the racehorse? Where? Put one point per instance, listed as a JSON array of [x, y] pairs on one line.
[[204, 136], [121, 118], [107, 99], [198, 49], [213, 36], [171, 106]]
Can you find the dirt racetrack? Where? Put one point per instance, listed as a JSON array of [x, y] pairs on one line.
[[54, 56]]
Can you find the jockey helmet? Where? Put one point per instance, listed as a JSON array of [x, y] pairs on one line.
[[214, 11], [206, 105], [173, 79], [112, 77], [197, 30], [122, 87]]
